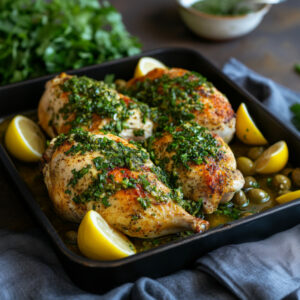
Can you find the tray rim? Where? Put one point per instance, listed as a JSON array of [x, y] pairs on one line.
[[49, 228]]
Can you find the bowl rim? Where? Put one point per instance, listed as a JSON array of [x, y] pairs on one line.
[[191, 10]]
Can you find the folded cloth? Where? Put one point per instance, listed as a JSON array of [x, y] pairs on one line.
[[274, 96], [268, 269], [29, 269]]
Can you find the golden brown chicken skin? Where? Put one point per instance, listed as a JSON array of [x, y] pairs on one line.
[[185, 96], [71, 101], [199, 162], [106, 173]]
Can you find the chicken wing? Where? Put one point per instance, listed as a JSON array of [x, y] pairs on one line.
[[71, 101], [181, 95], [83, 171], [199, 162]]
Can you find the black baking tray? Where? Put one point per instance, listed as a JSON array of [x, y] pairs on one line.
[[100, 276]]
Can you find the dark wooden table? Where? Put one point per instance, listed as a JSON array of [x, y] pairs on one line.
[[272, 50]]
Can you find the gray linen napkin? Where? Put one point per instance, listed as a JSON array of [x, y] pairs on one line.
[[268, 269], [275, 97]]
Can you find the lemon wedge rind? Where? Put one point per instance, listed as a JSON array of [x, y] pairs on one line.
[[273, 159], [246, 129], [288, 197], [24, 139], [98, 240], [147, 64]]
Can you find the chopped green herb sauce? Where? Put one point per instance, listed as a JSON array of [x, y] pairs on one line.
[[228, 209], [112, 155], [221, 7], [171, 97], [191, 144], [78, 174], [109, 80], [88, 97], [139, 132], [194, 208], [145, 202]]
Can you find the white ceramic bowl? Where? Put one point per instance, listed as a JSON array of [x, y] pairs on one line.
[[219, 27]]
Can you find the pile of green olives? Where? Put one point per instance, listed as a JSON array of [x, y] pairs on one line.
[[252, 192]]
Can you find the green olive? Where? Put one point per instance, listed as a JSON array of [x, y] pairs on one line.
[[283, 192], [281, 182], [296, 177], [250, 182], [245, 165], [120, 83], [255, 152], [258, 196], [240, 199], [71, 237]]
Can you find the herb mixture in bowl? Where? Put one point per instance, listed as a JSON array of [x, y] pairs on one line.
[[221, 19], [222, 7]]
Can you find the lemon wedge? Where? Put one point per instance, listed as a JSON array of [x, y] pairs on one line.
[[97, 240], [24, 139], [246, 130], [273, 159], [288, 197], [147, 64]]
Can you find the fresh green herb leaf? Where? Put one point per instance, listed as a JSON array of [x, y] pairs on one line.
[[145, 202], [135, 217], [295, 109], [269, 181], [139, 132], [229, 210], [41, 37], [297, 68], [78, 174], [109, 80]]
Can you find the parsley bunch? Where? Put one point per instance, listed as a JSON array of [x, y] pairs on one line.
[[41, 37]]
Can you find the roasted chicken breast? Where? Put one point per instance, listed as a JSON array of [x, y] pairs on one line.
[[83, 171], [71, 101], [181, 96], [199, 162]]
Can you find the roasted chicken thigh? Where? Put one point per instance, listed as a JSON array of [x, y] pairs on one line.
[[71, 101], [83, 171], [199, 162], [182, 96]]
